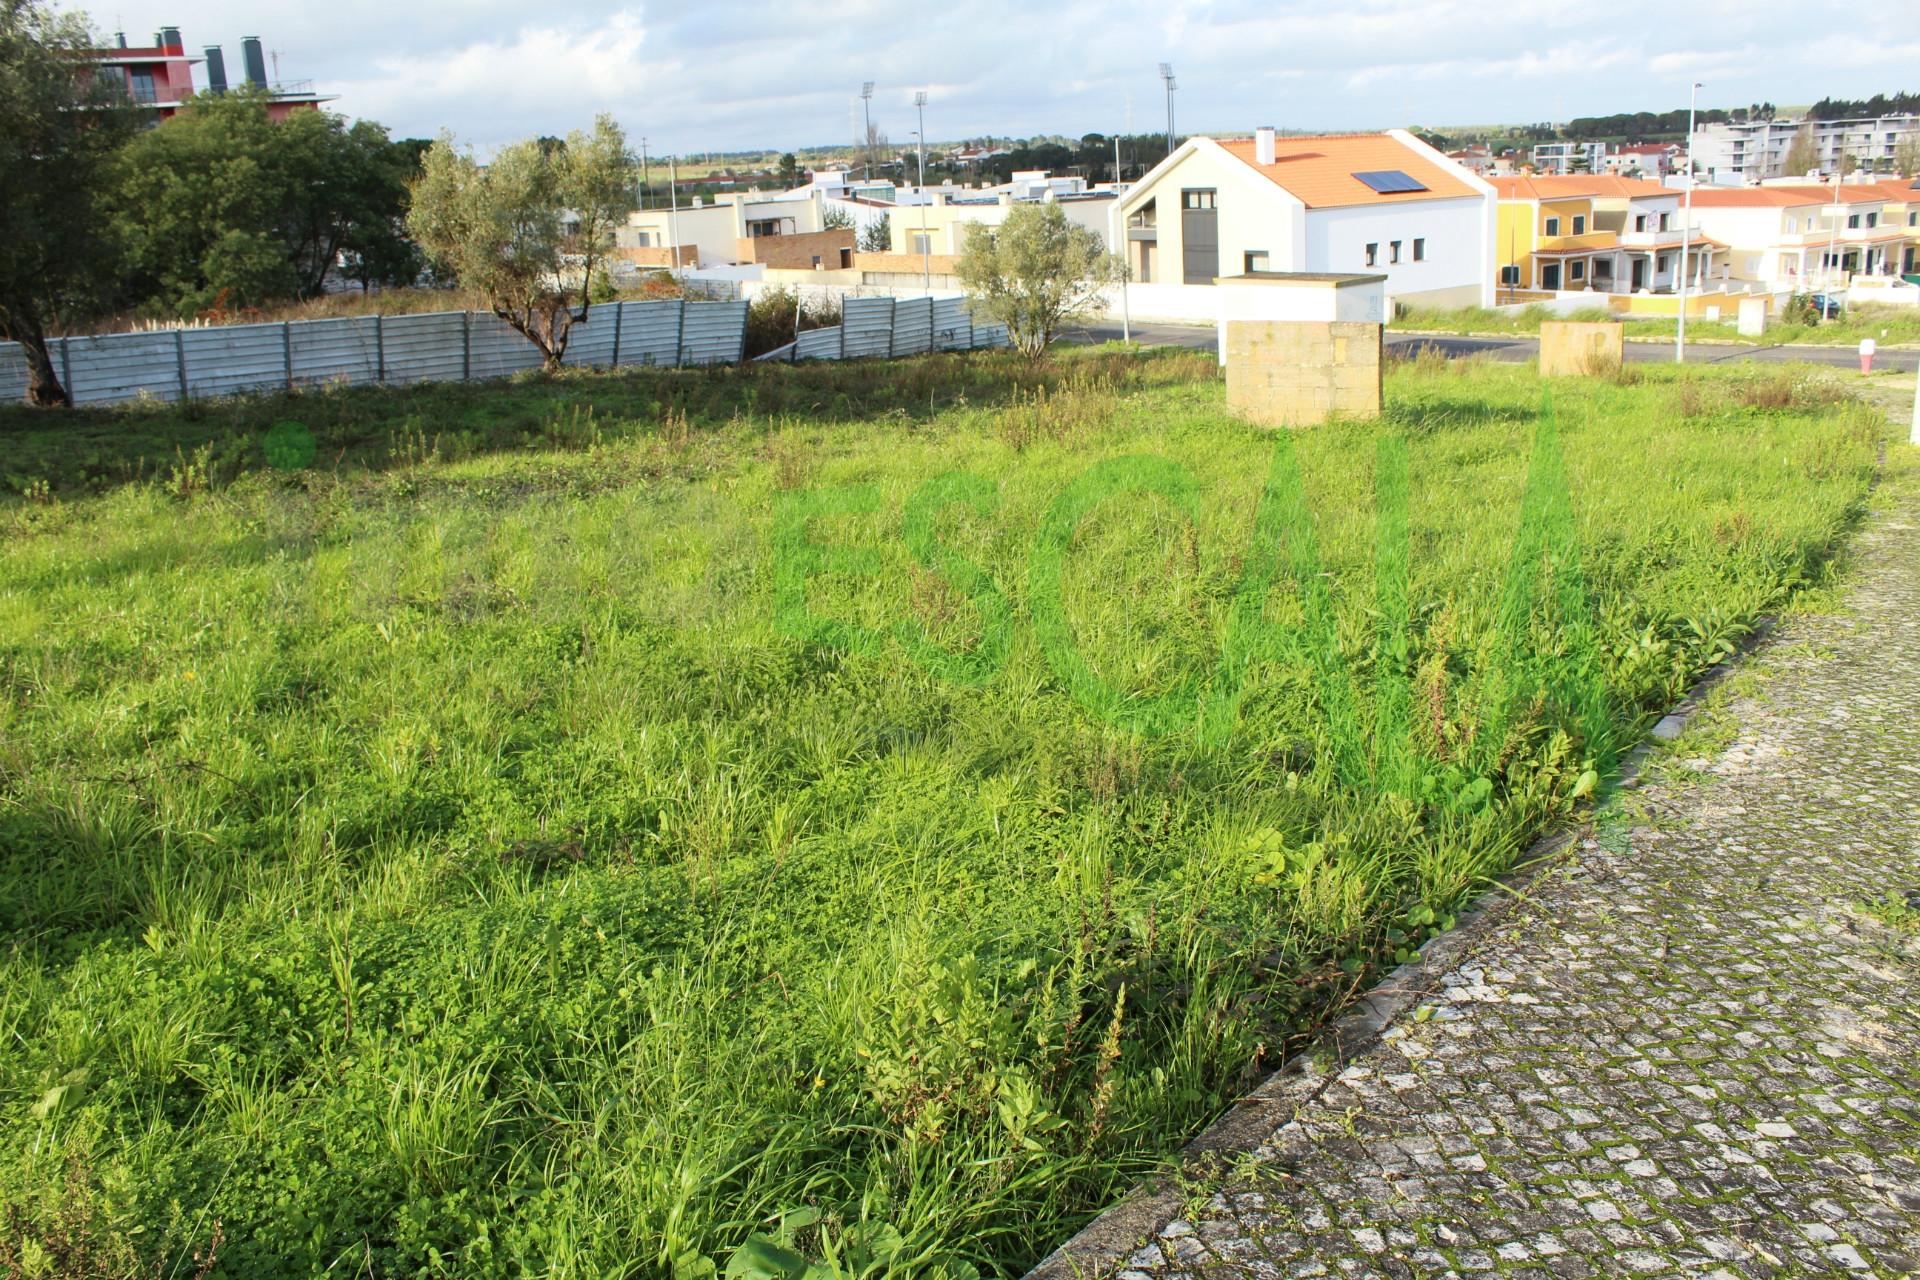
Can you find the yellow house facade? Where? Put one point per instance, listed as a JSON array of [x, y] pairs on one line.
[[1598, 233]]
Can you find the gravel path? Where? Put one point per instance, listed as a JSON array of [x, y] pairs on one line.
[[1692, 1048]]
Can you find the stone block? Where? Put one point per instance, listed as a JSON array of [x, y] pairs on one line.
[[1299, 373], [1570, 348]]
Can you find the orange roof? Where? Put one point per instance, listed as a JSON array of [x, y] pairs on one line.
[[1759, 197], [1575, 185], [1319, 171], [1900, 190]]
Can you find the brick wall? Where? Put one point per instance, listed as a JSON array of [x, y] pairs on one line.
[[1299, 373], [660, 255], [797, 252]]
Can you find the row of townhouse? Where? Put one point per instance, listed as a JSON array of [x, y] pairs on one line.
[[1794, 237], [1600, 233]]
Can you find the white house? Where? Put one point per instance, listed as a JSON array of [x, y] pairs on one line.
[[1803, 237], [1382, 203]]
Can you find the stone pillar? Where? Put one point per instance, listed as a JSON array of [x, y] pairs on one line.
[[1299, 373], [1570, 348]]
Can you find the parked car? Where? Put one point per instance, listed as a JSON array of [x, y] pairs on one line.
[[1825, 306]]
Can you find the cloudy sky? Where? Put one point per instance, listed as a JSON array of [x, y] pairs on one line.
[[693, 75]]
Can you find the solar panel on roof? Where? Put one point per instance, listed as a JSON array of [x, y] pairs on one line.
[[1391, 181]]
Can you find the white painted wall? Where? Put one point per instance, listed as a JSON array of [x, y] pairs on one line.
[[1455, 251]]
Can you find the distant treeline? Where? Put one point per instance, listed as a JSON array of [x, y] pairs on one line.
[[1880, 104]]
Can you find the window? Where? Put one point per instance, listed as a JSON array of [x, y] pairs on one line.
[[1373, 255], [1197, 199], [1873, 219], [1577, 269], [1393, 251], [1510, 275], [1579, 224], [1419, 250], [1913, 219], [1853, 221], [1666, 222], [816, 262], [1793, 225], [643, 239], [922, 242], [846, 258], [1639, 222], [1553, 226], [1254, 260], [143, 86]]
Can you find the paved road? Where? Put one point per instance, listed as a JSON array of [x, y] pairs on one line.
[[1518, 350], [1690, 1047]]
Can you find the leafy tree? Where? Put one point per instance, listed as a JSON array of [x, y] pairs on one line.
[[58, 136], [1848, 162], [529, 229], [1801, 157], [836, 219], [877, 236], [1036, 273], [1906, 156], [223, 205], [789, 170]]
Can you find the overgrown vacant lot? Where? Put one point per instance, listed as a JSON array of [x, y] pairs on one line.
[[575, 826]]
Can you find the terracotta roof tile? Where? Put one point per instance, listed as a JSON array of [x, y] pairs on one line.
[[1573, 186], [1318, 171]]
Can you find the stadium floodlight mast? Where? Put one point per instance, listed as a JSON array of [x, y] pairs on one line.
[[1686, 233], [1166, 74], [866, 118]]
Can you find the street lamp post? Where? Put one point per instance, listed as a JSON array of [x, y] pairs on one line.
[[1686, 233], [866, 119], [644, 174], [1166, 74], [1126, 255], [920, 105]]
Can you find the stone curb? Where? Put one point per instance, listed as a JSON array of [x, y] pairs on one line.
[[1103, 1246]]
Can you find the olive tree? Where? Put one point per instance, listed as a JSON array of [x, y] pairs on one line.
[[1036, 273], [529, 230], [59, 133]]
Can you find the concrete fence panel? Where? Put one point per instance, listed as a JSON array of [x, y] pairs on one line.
[[231, 359], [713, 333], [423, 348], [650, 332], [119, 367], [495, 349], [338, 353], [867, 327]]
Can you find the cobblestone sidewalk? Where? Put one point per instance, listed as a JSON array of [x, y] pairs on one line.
[[1692, 1049]]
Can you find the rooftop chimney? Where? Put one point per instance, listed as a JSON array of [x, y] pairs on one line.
[[255, 59], [216, 70], [119, 39], [1263, 144], [170, 40]]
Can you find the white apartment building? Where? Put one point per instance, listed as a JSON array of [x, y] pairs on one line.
[[1569, 157], [1757, 149]]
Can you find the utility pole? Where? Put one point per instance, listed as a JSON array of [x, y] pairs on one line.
[[866, 119], [1126, 256], [644, 173], [920, 105], [1166, 74], [1686, 233], [673, 215]]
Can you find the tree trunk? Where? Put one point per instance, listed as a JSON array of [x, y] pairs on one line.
[[20, 323], [44, 388]]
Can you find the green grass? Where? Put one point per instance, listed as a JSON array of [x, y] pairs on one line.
[[436, 861], [1888, 325]]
